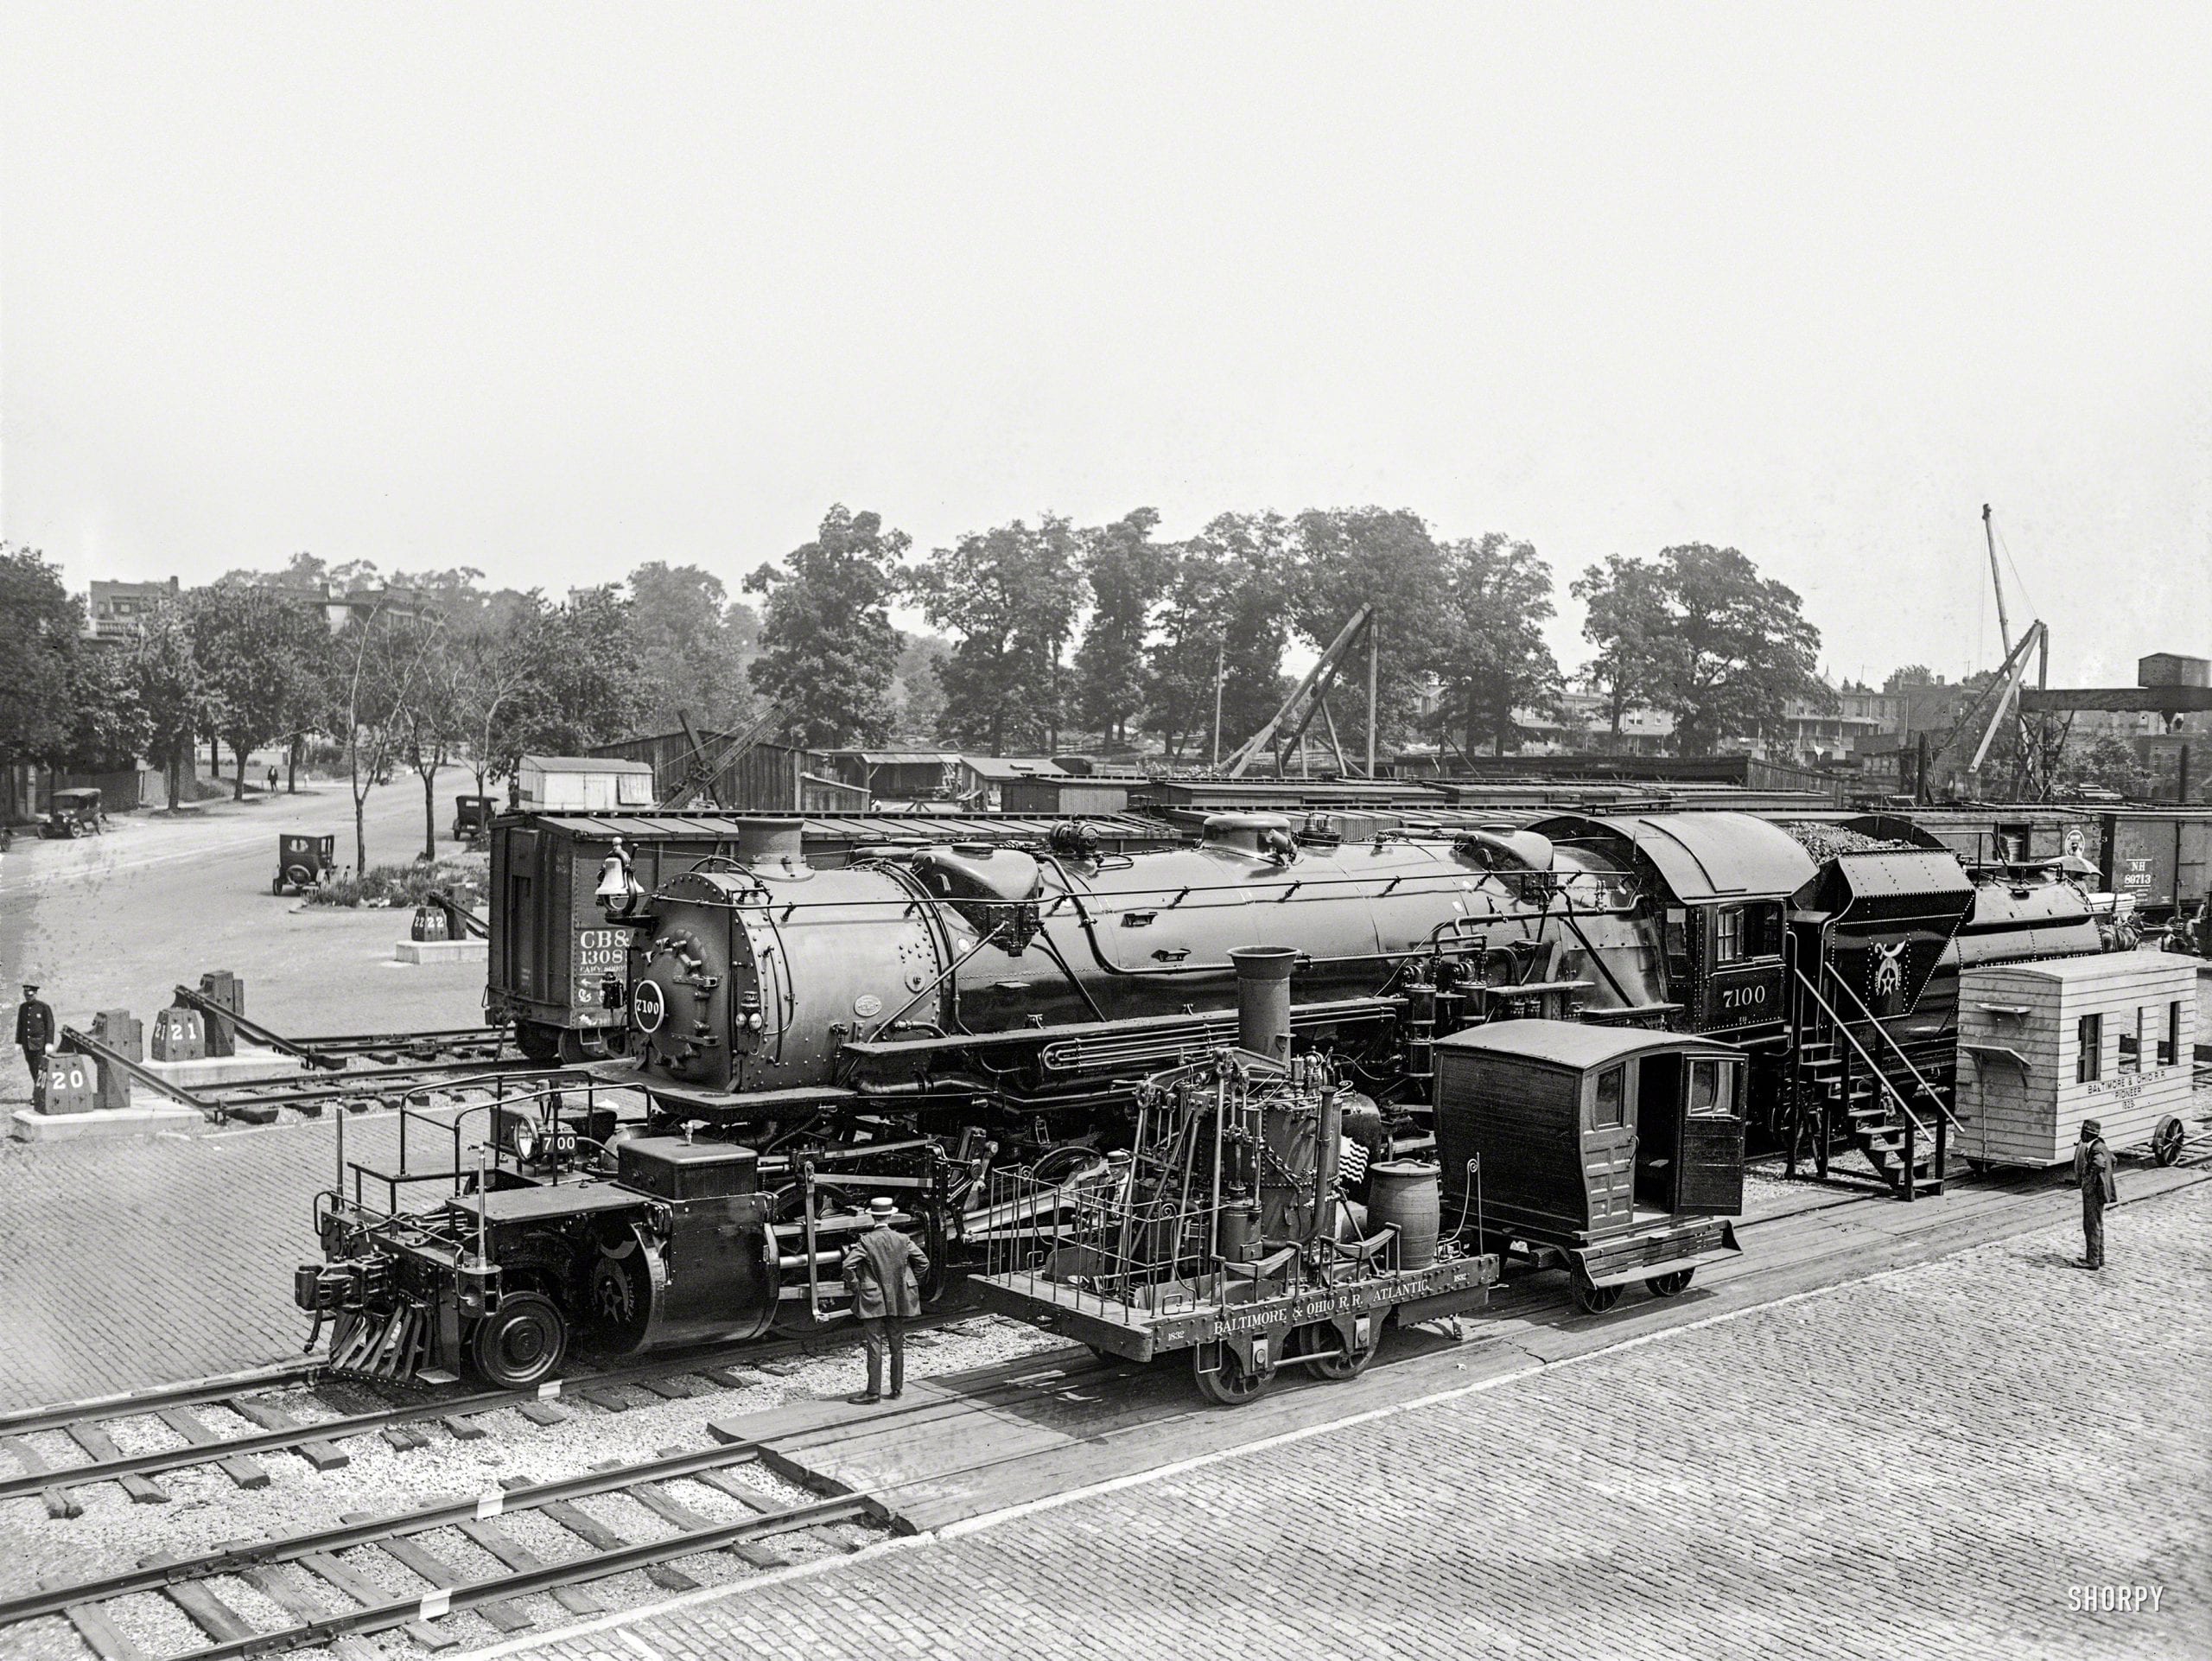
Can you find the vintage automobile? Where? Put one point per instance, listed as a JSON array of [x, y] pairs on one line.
[[73, 813], [472, 817], [303, 861]]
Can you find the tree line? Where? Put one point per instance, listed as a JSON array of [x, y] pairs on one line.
[[1054, 636], [1109, 634]]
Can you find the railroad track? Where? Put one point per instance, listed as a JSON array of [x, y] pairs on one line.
[[366, 1603], [90, 1425]]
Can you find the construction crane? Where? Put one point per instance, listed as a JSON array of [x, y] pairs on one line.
[[705, 768], [1310, 698]]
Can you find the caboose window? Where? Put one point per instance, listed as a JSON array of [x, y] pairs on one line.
[[2089, 1065], [1728, 934], [1708, 1091], [2131, 1045], [1611, 1111]]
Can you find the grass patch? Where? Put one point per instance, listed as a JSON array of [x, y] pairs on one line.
[[461, 878]]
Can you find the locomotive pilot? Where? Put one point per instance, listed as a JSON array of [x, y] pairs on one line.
[[883, 1271]]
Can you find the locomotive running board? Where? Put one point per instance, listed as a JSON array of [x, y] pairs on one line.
[[1089, 1045]]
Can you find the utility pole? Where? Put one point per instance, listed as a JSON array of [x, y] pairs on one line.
[[1374, 627], [1220, 668]]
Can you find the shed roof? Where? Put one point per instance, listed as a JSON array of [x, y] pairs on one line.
[[1716, 856], [1577, 1044], [584, 764], [2097, 966], [1013, 767]]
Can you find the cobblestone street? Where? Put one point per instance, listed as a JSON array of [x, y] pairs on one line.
[[1936, 1461]]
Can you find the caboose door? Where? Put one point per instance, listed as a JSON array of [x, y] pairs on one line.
[[1711, 1163], [1609, 1148]]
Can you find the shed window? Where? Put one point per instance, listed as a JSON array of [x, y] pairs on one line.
[[2131, 1044], [1727, 934], [2170, 1046], [2088, 1066], [1611, 1110]]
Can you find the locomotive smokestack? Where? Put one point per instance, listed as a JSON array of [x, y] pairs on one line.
[[1263, 999]]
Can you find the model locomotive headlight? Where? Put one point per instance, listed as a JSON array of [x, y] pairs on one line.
[[525, 1145]]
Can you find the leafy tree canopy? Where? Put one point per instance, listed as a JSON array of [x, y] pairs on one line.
[[827, 646]]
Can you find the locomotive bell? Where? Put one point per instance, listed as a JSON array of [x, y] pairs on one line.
[[617, 891]]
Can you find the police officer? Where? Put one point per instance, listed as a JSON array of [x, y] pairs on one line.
[[34, 1036], [2092, 1173], [883, 1271]]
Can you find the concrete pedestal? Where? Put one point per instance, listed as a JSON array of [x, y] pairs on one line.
[[250, 1066], [106, 1125], [440, 951]]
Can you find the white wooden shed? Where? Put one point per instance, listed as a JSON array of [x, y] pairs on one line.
[[572, 784], [2047, 1043]]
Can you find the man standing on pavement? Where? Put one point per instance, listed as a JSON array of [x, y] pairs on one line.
[[34, 1036], [2092, 1173], [883, 1271]]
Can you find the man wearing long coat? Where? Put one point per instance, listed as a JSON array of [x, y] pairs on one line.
[[883, 1271], [2093, 1174]]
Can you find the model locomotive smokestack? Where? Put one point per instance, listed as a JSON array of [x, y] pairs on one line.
[[1263, 999]]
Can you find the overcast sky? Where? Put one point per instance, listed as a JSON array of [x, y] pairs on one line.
[[550, 291]]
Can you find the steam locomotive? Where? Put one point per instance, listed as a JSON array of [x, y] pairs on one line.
[[809, 1036]]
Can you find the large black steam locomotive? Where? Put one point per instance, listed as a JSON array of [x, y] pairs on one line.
[[804, 1037]]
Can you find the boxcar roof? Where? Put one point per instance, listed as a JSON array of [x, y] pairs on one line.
[[1577, 1044]]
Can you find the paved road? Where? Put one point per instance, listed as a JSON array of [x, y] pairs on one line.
[[115, 921], [1940, 1460]]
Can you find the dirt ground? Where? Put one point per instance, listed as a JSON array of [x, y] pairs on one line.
[[115, 921]]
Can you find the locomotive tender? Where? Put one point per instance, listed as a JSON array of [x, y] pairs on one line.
[[916, 1017]]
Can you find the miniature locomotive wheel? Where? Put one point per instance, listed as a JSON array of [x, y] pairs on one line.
[[1347, 1363], [2165, 1140], [522, 1344], [1669, 1285], [1224, 1378], [1595, 1299]]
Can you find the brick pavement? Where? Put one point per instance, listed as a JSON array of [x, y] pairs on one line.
[[131, 1263], [1923, 1463]]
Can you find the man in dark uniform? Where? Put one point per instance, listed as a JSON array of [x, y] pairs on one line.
[[883, 1271], [2092, 1173], [34, 1036]]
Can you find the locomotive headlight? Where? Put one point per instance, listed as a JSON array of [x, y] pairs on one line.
[[525, 1145]]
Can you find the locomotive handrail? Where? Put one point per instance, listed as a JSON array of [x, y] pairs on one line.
[[1917, 1076], [1873, 1067]]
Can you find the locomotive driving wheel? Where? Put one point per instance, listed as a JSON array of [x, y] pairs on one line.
[[1224, 1378], [522, 1343]]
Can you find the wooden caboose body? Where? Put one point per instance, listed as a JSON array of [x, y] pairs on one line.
[[1617, 1153], [2049, 1042]]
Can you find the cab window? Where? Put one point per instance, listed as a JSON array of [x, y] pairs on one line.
[[1611, 1110], [1728, 934]]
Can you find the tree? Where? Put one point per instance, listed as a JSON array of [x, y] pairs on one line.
[[41, 627], [253, 646], [1011, 595], [586, 688], [1128, 574], [1227, 610], [693, 645], [917, 690], [108, 727], [498, 682], [827, 645], [166, 678], [1496, 660], [372, 673], [1625, 621], [1736, 649], [1386, 558], [429, 722]]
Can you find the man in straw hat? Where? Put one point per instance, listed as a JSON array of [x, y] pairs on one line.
[[884, 1270], [2092, 1173]]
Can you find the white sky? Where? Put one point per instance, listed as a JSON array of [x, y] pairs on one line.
[[551, 290]]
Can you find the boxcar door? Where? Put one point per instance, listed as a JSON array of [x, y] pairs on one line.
[[1609, 1147], [1710, 1163]]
